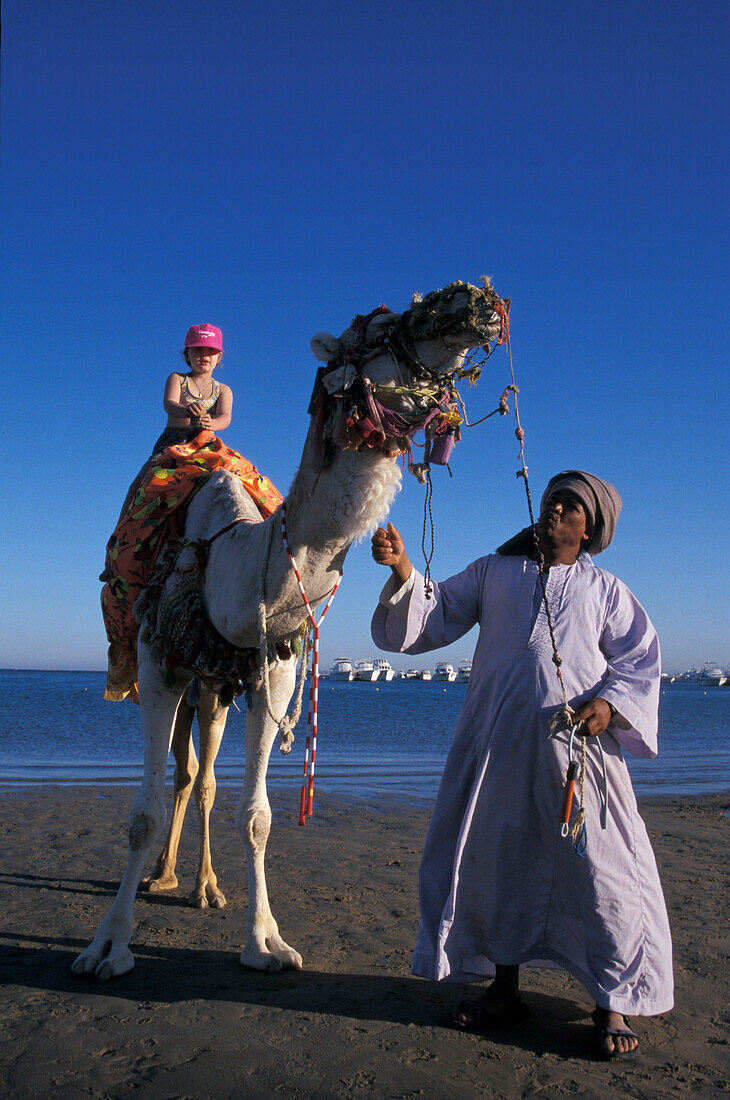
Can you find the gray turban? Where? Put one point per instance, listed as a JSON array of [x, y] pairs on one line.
[[600, 501]]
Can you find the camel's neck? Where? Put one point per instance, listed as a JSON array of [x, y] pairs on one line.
[[326, 511], [329, 508]]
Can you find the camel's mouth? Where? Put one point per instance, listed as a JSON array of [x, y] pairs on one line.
[[458, 307]]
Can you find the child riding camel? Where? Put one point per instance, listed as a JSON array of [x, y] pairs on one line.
[[198, 407], [196, 401]]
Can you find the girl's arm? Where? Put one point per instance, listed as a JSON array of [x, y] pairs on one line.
[[224, 409], [171, 400]]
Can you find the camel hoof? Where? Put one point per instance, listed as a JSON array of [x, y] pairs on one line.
[[287, 956], [156, 885], [293, 960], [260, 960], [84, 964], [208, 895], [119, 960], [115, 964], [288, 959]]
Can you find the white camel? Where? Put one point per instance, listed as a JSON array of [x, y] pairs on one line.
[[345, 484]]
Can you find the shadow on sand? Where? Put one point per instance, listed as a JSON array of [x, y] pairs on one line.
[[165, 975]]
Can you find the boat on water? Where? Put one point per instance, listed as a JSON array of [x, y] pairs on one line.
[[424, 674], [385, 669], [365, 670], [444, 671], [711, 676], [463, 672], [410, 674], [341, 670]]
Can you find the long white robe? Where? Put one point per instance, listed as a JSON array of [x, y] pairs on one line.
[[498, 884]]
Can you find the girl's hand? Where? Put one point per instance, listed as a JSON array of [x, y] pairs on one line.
[[196, 411], [205, 422]]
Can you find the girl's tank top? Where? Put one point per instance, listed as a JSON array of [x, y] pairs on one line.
[[189, 398]]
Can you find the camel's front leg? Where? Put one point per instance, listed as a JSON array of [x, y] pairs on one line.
[[211, 723], [264, 949], [163, 876], [108, 955]]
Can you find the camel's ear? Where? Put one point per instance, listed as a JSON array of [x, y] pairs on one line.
[[325, 346], [381, 322]]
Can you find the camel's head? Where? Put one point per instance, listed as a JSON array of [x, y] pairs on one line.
[[454, 320], [390, 374]]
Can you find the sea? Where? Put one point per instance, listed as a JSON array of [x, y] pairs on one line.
[[373, 739]]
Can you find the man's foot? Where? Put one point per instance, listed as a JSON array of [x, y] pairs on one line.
[[613, 1036], [497, 1007]]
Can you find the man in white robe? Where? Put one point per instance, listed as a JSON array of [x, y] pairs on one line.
[[500, 887]]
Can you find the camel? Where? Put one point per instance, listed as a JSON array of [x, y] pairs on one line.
[[383, 378]]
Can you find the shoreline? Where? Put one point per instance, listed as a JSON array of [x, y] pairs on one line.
[[286, 795], [189, 1021], [418, 791], [280, 789]]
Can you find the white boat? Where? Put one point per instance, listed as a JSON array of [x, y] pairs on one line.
[[386, 671], [410, 674], [341, 670], [463, 672], [710, 676], [365, 670], [444, 671], [424, 674]]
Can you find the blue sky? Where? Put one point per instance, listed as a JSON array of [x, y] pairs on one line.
[[275, 168]]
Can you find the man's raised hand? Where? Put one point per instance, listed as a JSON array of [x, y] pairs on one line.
[[388, 549]]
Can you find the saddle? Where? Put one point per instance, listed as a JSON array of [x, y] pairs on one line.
[[154, 517]]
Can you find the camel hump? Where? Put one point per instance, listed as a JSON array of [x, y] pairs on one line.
[[155, 516]]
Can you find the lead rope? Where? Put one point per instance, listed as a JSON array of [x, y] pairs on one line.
[[566, 714], [428, 515], [307, 796], [520, 433], [289, 721]]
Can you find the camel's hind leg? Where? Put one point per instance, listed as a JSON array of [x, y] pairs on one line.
[[108, 955], [163, 877], [264, 948], [211, 723]]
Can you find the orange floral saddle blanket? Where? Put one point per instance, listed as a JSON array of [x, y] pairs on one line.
[[154, 517]]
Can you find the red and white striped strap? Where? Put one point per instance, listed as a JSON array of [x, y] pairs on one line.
[[297, 574], [307, 795]]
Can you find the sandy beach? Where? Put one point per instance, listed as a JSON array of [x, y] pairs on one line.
[[188, 1021]]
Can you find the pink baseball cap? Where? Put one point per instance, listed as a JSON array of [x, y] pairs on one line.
[[204, 336]]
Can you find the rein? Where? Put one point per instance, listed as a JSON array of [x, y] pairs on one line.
[[307, 796], [286, 724], [217, 535]]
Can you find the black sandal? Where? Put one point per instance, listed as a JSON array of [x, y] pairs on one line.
[[601, 1031], [479, 1016]]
